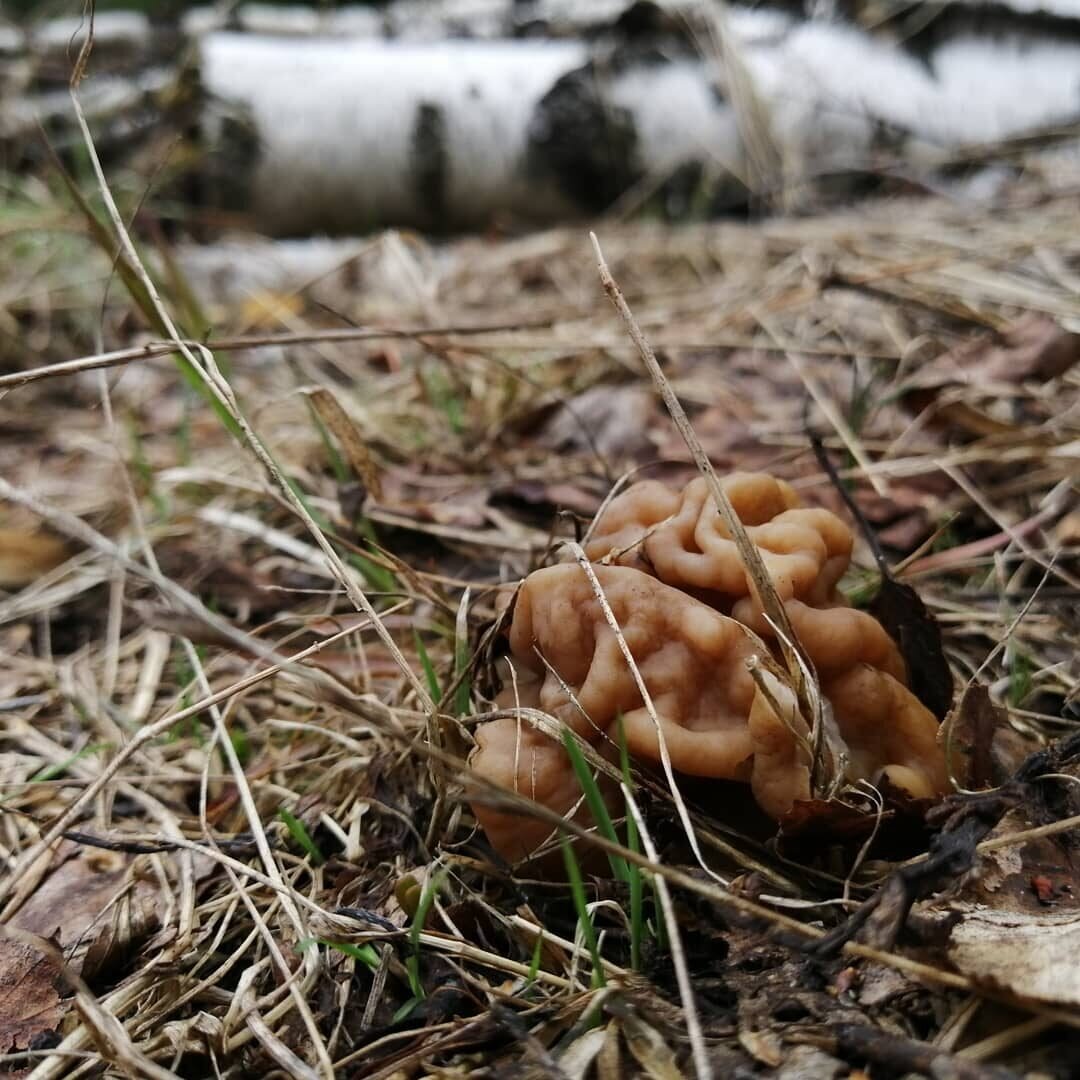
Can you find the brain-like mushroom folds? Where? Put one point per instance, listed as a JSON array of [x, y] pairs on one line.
[[568, 663], [680, 537], [693, 658], [887, 732]]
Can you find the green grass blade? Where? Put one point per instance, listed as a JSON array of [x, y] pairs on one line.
[[365, 954], [423, 907], [633, 842], [298, 831], [577, 890], [595, 802], [534, 963], [51, 772], [429, 668]]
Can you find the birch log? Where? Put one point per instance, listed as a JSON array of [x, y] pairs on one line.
[[351, 133], [450, 114]]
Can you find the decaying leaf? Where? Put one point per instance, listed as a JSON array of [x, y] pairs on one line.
[[971, 727], [92, 906], [1030, 954], [341, 425], [1033, 347], [652, 1053], [25, 555], [29, 1002]]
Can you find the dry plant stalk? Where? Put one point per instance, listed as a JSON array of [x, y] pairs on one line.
[[827, 760]]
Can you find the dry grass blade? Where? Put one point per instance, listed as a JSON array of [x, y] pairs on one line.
[[826, 762], [223, 393], [702, 1065]]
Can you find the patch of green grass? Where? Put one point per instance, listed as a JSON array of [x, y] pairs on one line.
[[633, 842], [595, 800], [241, 745], [364, 954], [423, 908], [1020, 676], [378, 577], [145, 473], [51, 772], [628, 873], [534, 963], [441, 395]]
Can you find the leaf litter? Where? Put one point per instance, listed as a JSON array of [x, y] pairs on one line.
[[297, 881]]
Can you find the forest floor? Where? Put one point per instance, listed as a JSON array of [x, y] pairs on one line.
[[234, 833]]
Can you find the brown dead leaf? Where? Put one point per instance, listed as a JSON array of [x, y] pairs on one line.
[[971, 725], [611, 420], [1033, 347], [25, 555], [29, 1003], [652, 1053], [340, 424], [92, 906], [763, 1046]]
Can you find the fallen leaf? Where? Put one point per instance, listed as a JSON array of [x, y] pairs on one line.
[[341, 425], [1033, 955], [92, 906], [1033, 347], [610, 420], [25, 555], [763, 1047], [577, 1059], [971, 725], [29, 1003], [652, 1053], [903, 614]]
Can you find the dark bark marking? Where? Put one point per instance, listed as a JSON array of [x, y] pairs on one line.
[[430, 166]]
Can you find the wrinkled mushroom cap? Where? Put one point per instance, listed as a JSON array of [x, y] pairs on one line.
[[681, 538], [838, 638], [691, 659], [884, 728], [513, 754]]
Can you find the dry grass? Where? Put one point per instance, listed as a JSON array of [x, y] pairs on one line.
[[249, 728]]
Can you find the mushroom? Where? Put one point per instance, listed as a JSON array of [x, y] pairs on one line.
[[512, 753], [671, 576], [887, 732], [567, 661], [681, 538]]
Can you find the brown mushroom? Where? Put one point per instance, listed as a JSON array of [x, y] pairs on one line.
[[681, 538], [716, 722], [512, 753], [568, 662], [886, 731]]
